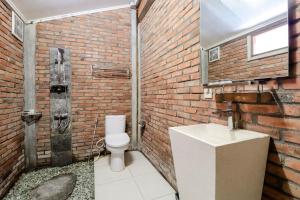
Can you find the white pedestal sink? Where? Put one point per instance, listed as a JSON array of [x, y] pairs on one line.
[[214, 163]]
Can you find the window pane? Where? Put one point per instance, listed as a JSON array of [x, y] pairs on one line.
[[276, 38]]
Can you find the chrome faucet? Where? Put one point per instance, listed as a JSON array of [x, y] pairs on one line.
[[232, 123], [230, 118]]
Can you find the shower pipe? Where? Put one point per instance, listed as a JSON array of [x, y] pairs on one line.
[[61, 76]]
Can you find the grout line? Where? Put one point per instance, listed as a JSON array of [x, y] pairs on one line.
[[129, 179], [140, 156], [105, 165], [156, 198], [109, 182], [131, 174], [174, 194], [114, 181], [154, 170], [138, 187], [161, 174], [145, 174], [132, 178]]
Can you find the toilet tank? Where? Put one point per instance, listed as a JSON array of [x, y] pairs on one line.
[[115, 124]]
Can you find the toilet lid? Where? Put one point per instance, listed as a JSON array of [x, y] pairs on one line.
[[117, 140]]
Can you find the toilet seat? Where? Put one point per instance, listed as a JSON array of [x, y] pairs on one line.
[[117, 140]]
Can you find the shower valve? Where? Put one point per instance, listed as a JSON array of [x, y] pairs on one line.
[[60, 116]]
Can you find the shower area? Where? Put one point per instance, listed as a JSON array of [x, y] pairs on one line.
[[80, 78], [76, 69], [60, 106]]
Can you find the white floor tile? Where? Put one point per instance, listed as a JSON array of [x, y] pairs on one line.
[[103, 174], [120, 190], [168, 197], [101, 161], [153, 186], [139, 181], [131, 156], [141, 167]]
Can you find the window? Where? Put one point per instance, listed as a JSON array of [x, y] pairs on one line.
[[268, 43], [17, 26]]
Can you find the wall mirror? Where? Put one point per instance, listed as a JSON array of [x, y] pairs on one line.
[[243, 40]]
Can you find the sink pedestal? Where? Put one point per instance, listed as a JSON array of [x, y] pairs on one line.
[[214, 163]]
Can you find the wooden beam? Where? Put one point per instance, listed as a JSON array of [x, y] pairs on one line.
[[264, 97], [143, 8]]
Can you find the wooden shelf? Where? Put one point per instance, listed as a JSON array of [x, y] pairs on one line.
[[110, 72], [237, 97]]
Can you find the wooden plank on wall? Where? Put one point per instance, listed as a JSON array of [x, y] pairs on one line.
[[143, 8], [263, 97]]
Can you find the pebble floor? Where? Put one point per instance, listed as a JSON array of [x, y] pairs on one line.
[[84, 188]]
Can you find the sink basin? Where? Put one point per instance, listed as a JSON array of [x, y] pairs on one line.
[[214, 163]]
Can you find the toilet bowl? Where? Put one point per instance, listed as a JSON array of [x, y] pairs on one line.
[[117, 141]]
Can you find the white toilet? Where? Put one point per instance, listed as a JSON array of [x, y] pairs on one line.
[[117, 141]]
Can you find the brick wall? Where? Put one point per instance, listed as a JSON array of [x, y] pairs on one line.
[[99, 38], [170, 76], [234, 65], [172, 95], [11, 103]]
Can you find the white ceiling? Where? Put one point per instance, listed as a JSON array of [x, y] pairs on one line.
[[37, 9], [222, 19]]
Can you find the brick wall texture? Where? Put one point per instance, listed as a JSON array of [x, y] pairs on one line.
[[11, 103], [101, 39], [172, 95], [234, 64], [171, 91]]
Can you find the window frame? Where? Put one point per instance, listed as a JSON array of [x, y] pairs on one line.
[[218, 49], [268, 53]]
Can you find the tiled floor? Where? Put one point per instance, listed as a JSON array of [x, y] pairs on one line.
[[139, 181]]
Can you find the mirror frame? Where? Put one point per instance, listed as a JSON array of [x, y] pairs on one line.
[[204, 56]]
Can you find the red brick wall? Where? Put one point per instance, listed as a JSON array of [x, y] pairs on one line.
[[234, 64], [172, 95], [170, 76], [102, 39], [11, 103]]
